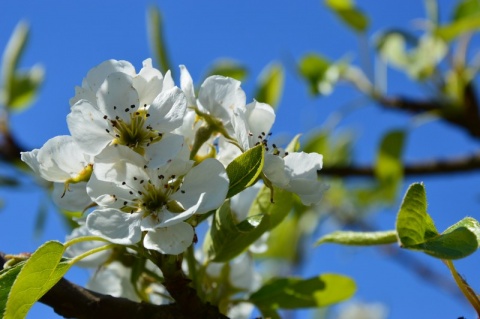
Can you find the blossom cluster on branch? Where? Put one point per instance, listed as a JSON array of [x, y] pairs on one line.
[[145, 158]]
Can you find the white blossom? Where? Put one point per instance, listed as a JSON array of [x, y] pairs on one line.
[[134, 197], [61, 161], [117, 106], [295, 172]]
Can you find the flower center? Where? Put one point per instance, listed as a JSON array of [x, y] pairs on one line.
[[153, 198], [135, 133]]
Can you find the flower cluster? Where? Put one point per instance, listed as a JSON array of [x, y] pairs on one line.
[[144, 156]]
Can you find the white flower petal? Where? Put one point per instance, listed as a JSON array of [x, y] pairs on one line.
[[162, 152], [167, 110], [209, 178], [167, 219], [58, 160], [96, 76], [302, 169], [31, 159], [115, 226], [274, 169], [304, 165], [168, 82], [186, 83], [260, 118], [117, 96], [88, 128], [148, 83], [75, 199], [220, 96], [114, 279], [172, 240]]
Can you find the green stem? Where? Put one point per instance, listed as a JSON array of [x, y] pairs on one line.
[[91, 252], [82, 239], [464, 287]]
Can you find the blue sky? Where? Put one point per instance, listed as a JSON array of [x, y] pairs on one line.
[[69, 38]]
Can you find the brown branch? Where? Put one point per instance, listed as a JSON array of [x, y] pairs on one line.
[[466, 118], [456, 165], [72, 301]]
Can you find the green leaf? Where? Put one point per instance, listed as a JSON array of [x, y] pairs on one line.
[[157, 39], [7, 278], [41, 271], [13, 52], [20, 87], [349, 13], [454, 244], [313, 68], [389, 165], [228, 68], [416, 230], [24, 88], [414, 225], [283, 241], [294, 144], [462, 26], [293, 293], [470, 223], [270, 85], [466, 8], [244, 170], [228, 238], [360, 238]]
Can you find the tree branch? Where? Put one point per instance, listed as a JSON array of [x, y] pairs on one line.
[[72, 301], [450, 166], [466, 118]]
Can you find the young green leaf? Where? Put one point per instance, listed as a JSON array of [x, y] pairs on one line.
[[157, 39], [389, 165], [455, 244], [313, 68], [414, 225], [244, 170], [228, 238], [468, 222], [20, 88], [349, 14], [270, 85], [360, 238], [41, 271], [293, 293], [417, 231], [13, 52]]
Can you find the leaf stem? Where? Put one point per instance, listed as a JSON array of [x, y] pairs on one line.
[[91, 252], [82, 239], [464, 287]]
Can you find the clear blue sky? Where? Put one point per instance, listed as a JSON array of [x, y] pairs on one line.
[[69, 38]]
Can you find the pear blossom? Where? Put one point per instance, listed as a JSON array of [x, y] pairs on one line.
[[61, 161], [117, 106], [218, 96], [210, 114], [134, 197], [294, 172]]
